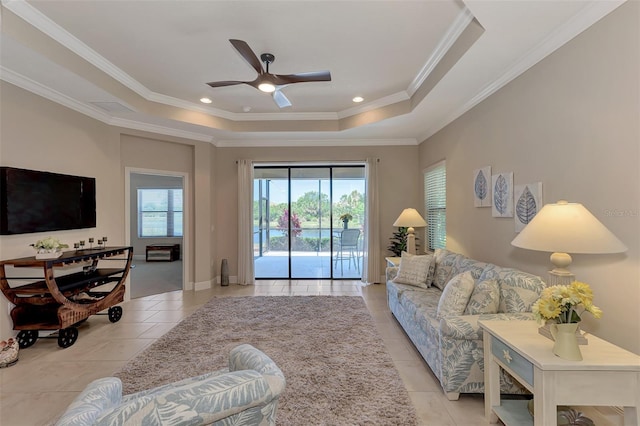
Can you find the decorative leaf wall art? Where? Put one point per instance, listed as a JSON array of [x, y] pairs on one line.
[[502, 188], [482, 187], [528, 202]]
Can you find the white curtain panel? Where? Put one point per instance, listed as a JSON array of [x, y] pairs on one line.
[[246, 275], [371, 267]]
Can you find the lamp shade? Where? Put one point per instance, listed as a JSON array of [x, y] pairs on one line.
[[567, 227], [410, 218]]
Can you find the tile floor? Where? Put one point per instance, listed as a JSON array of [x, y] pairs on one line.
[[47, 378]]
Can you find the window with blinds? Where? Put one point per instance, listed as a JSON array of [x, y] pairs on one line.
[[435, 199], [160, 212]]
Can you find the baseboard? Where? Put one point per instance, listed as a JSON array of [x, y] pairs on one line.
[[233, 279], [202, 285]]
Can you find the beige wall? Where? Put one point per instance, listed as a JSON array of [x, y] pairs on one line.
[[37, 134], [400, 186], [571, 122], [41, 135]]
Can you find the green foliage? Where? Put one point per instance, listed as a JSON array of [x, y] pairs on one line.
[[310, 206], [299, 244], [398, 242]]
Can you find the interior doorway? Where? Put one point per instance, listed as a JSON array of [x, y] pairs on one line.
[[156, 230], [309, 221]]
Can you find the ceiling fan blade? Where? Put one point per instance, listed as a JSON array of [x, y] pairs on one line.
[[226, 83], [243, 48], [281, 99], [302, 77]]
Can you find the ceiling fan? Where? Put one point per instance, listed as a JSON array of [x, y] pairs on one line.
[[267, 82]]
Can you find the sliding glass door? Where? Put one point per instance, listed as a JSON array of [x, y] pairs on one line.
[[299, 226]]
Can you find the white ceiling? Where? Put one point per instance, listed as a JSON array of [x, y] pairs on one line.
[[418, 64]]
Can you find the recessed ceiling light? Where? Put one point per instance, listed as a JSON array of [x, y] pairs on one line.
[[205, 100], [246, 108], [358, 99]]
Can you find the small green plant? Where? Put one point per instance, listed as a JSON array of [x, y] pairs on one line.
[[398, 242]]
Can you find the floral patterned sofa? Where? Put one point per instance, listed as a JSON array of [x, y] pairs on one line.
[[247, 393], [449, 339]]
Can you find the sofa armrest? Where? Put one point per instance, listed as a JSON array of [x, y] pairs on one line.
[[391, 272], [465, 327]]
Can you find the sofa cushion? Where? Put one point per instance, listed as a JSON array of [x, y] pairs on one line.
[[415, 270], [484, 299], [455, 295], [518, 290], [447, 266]]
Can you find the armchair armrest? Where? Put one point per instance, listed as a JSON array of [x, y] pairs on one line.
[[197, 402], [246, 357]]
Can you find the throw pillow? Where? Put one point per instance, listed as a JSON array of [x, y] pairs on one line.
[[415, 270], [484, 299], [455, 295]]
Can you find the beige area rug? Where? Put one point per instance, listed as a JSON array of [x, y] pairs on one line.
[[337, 368]]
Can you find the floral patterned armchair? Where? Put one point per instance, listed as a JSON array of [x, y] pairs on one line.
[[247, 394]]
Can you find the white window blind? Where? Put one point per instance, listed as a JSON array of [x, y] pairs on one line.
[[435, 198]]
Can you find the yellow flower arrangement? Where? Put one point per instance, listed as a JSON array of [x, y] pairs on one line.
[[565, 303], [346, 217]]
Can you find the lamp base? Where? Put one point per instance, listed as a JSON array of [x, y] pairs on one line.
[[560, 278], [411, 242], [560, 275]]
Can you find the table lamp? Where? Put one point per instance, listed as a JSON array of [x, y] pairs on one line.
[[410, 218], [563, 228]]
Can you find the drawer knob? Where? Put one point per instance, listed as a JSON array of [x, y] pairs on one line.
[[507, 356]]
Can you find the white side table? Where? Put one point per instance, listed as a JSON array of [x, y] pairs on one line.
[[393, 261], [607, 375]]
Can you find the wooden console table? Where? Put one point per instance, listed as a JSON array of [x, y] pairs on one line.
[[607, 376], [50, 302]]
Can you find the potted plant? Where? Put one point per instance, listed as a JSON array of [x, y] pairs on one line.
[[48, 248], [399, 242], [345, 218]]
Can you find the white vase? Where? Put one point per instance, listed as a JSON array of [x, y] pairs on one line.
[[566, 343], [48, 254]]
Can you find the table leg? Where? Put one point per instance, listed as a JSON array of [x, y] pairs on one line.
[[491, 380]]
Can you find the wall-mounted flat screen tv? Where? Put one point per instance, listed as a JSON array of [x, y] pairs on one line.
[[36, 201]]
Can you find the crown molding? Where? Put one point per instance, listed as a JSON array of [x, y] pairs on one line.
[[41, 90], [192, 106], [378, 103], [162, 130], [272, 143], [589, 15], [459, 25], [38, 20], [91, 111]]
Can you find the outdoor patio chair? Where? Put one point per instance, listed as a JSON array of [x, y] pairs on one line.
[[347, 249]]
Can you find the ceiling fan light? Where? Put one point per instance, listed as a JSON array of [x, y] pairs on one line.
[[267, 87]]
